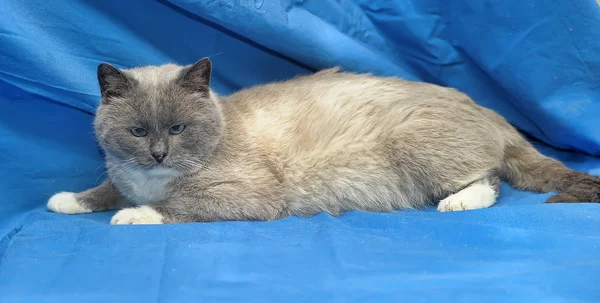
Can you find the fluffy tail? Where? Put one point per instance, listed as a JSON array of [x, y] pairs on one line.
[[525, 168]]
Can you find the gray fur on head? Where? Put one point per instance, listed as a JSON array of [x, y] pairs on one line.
[[156, 99]]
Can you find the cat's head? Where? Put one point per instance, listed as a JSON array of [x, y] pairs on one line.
[[162, 118]]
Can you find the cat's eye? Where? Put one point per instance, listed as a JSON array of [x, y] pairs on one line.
[[176, 129], [139, 132]]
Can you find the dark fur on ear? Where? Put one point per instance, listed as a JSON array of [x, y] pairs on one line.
[[197, 76], [113, 83]]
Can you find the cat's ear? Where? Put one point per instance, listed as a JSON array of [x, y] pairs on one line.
[[113, 83], [196, 77]]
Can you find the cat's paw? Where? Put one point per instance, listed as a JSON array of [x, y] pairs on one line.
[[137, 215], [473, 197], [66, 203]]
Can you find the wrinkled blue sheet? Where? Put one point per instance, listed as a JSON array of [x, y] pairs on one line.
[[536, 62]]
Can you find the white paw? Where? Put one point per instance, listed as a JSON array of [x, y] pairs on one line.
[[475, 196], [66, 203], [138, 215]]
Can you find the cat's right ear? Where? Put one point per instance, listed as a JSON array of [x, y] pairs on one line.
[[113, 83]]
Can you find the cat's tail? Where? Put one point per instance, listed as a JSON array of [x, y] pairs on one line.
[[525, 168]]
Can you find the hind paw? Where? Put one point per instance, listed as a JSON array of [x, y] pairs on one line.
[[475, 196]]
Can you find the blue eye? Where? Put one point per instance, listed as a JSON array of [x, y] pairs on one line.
[[177, 129], [139, 132]]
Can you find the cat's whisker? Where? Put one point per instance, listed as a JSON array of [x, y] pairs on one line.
[[97, 168], [100, 176], [124, 166], [192, 164]]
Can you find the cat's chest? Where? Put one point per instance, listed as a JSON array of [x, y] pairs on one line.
[[145, 187]]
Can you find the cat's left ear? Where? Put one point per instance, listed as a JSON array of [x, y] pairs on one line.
[[196, 77]]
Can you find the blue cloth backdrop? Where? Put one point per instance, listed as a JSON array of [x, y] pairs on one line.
[[537, 62]]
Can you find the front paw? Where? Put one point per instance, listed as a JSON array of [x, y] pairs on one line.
[[138, 215], [66, 203]]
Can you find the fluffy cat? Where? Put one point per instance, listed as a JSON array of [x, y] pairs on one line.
[[329, 142]]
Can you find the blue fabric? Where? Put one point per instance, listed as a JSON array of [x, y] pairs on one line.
[[536, 62]]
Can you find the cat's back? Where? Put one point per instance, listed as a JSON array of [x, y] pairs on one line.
[[333, 110], [331, 87]]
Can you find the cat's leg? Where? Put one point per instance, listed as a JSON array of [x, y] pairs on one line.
[[103, 197], [177, 211], [223, 201], [480, 194], [196, 210]]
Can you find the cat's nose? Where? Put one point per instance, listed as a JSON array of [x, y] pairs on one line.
[[159, 157]]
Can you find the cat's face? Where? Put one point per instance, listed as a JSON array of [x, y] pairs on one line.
[[158, 118]]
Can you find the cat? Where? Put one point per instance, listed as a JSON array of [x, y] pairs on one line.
[[330, 142]]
